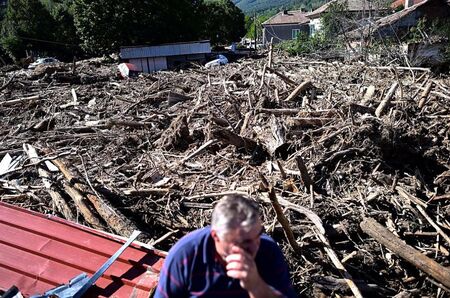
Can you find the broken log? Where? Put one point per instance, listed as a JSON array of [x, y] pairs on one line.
[[283, 220], [230, 138], [386, 101], [279, 112], [269, 64], [80, 202], [58, 200], [306, 179], [199, 150], [424, 95], [329, 113], [282, 76], [307, 122], [277, 137], [145, 192], [337, 263], [115, 219], [371, 227], [20, 101], [368, 95], [302, 87], [174, 97]]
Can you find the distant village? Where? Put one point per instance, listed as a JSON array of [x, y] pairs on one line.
[[357, 24]]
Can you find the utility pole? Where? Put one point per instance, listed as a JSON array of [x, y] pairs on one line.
[[256, 32]]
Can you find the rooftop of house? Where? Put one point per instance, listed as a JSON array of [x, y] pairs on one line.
[[40, 252], [288, 17], [352, 6], [390, 20]]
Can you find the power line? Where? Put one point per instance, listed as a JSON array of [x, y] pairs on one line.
[[48, 41]]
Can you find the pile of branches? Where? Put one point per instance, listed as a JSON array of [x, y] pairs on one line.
[[350, 163]]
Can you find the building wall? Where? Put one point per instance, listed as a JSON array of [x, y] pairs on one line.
[[175, 61], [175, 49], [282, 32], [153, 64], [160, 57], [315, 26], [400, 27], [148, 65]]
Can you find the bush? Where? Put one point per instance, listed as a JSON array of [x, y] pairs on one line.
[[305, 44]]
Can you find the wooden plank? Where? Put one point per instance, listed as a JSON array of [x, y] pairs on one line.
[[410, 254]]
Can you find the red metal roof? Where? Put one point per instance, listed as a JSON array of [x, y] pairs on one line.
[[38, 253]]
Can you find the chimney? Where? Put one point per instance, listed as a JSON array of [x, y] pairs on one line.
[[409, 3], [285, 12]]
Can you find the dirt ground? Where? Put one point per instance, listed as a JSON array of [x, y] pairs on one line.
[[338, 144]]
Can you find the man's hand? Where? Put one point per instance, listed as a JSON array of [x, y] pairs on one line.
[[242, 266]]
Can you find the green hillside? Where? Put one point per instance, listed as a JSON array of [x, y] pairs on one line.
[[259, 6]]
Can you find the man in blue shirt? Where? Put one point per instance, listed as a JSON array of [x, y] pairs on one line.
[[232, 258]]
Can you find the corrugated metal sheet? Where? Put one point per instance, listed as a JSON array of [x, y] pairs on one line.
[[38, 253], [174, 49]]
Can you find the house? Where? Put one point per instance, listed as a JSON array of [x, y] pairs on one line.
[[41, 252], [398, 24], [159, 57], [285, 25], [430, 52], [360, 11]]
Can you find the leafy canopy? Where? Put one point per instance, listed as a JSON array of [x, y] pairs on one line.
[[57, 27]]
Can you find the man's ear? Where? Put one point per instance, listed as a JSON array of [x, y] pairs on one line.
[[214, 235]]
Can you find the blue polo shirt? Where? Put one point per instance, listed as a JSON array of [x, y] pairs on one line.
[[192, 269]]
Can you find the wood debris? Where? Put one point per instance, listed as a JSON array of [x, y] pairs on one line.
[[337, 143]]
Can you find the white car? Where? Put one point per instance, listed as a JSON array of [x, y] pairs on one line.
[[44, 61], [221, 60]]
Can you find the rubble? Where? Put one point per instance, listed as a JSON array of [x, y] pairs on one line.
[[326, 148]]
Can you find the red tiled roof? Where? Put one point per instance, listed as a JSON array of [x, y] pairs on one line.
[[39, 253], [399, 3], [292, 17]]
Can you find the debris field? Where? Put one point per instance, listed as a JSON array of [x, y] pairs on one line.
[[350, 162]]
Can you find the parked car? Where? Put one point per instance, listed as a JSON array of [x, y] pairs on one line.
[[41, 61], [220, 60]]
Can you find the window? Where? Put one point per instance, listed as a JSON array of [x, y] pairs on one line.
[[295, 33], [312, 29]]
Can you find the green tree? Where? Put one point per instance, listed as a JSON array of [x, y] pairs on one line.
[[26, 26], [181, 20], [65, 35], [105, 25], [252, 25], [102, 24], [336, 20], [224, 22]]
